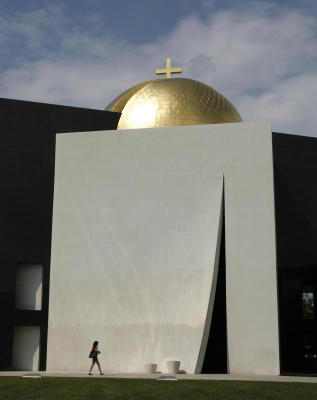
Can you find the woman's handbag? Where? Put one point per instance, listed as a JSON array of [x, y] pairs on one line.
[[92, 354]]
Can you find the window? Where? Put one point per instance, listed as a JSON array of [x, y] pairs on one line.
[[308, 302], [28, 290]]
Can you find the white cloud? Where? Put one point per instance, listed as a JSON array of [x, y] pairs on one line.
[[261, 57], [291, 105]]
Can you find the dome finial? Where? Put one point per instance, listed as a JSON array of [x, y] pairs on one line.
[[168, 70]]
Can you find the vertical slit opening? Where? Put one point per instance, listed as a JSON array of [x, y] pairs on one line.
[[215, 360]]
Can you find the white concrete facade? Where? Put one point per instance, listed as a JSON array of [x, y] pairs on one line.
[[135, 247]]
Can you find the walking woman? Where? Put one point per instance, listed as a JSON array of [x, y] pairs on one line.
[[94, 355]]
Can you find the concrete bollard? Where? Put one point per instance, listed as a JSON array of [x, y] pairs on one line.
[[150, 368], [173, 367]]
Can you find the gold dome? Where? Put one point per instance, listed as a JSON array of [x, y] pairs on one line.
[[172, 102]]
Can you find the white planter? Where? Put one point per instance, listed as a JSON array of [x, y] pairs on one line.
[[150, 368], [173, 367]]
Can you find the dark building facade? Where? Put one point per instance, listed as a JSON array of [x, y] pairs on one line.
[[27, 156], [295, 177]]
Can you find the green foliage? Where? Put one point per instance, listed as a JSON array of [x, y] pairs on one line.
[[12, 388]]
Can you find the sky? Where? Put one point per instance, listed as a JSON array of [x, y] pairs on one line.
[[262, 55]]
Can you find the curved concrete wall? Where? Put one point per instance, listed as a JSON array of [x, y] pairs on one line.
[[135, 228]]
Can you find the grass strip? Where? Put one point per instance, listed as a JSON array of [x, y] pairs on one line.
[[47, 388]]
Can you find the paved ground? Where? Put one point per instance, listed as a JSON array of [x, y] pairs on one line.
[[222, 377]]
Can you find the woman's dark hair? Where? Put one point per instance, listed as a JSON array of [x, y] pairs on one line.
[[95, 343]]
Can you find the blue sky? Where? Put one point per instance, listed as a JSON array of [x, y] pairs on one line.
[[262, 55]]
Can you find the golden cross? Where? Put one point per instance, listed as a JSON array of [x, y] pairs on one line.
[[168, 70]]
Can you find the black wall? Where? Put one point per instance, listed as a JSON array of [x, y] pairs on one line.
[[295, 177], [27, 156]]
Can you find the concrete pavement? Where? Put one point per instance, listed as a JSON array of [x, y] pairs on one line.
[[216, 377]]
